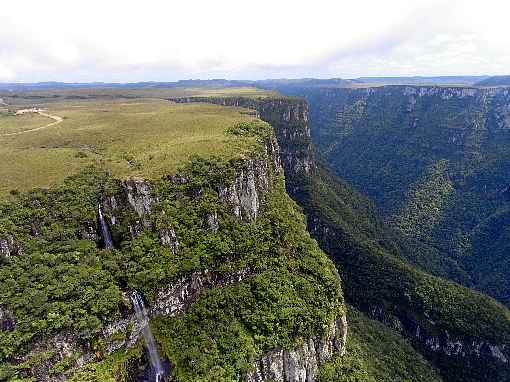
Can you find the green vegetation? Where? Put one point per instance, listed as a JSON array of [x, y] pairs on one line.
[[11, 123], [114, 368], [372, 259], [373, 274], [105, 94], [369, 259], [425, 203], [377, 354], [64, 283], [436, 163], [142, 137]]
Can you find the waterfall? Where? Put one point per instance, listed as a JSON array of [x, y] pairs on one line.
[[105, 231], [142, 317]]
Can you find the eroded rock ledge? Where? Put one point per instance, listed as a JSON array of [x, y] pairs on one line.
[[302, 363], [171, 300], [440, 341]]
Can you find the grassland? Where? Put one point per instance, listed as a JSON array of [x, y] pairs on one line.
[[10, 123], [128, 136], [51, 96]]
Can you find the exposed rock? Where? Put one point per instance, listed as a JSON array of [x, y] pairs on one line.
[[7, 319], [89, 232], [212, 221], [242, 194], [440, 341], [135, 195], [301, 364], [59, 347], [139, 196], [170, 301], [289, 118], [169, 238], [178, 179], [10, 247], [34, 229], [110, 204], [273, 151]]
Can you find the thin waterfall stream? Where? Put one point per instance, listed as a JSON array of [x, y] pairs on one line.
[[105, 231], [157, 370]]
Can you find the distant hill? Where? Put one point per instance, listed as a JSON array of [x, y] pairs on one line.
[[214, 83], [419, 80], [306, 82], [495, 81], [267, 83]]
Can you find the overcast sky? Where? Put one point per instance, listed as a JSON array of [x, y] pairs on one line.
[[165, 40]]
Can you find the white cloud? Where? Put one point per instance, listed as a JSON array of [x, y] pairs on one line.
[[167, 40]]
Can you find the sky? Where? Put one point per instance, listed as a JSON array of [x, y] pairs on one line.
[[168, 40]]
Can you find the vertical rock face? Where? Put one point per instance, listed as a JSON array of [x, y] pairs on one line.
[[138, 195], [243, 194], [58, 348], [289, 118], [169, 238], [9, 247], [301, 364]]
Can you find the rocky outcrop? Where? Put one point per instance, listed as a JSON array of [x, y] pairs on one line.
[[439, 341], [10, 247], [302, 363], [169, 238], [138, 194], [89, 232], [7, 319], [46, 353], [243, 193], [171, 300], [132, 205]]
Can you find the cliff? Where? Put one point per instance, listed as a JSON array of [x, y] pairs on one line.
[[457, 329], [230, 277], [435, 162]]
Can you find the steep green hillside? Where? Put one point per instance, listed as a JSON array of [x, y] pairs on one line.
[[377, 354], [435, 160], [432, 312], [464, 333]]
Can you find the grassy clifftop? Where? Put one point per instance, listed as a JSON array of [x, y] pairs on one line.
[[129, 137]]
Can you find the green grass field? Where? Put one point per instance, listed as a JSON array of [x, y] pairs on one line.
[[57, 95], [130, 137], [10, 123]]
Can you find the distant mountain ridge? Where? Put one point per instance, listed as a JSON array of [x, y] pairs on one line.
[[269, 83], [495, 81]]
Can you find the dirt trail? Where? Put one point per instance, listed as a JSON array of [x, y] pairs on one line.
[[56, 121]]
